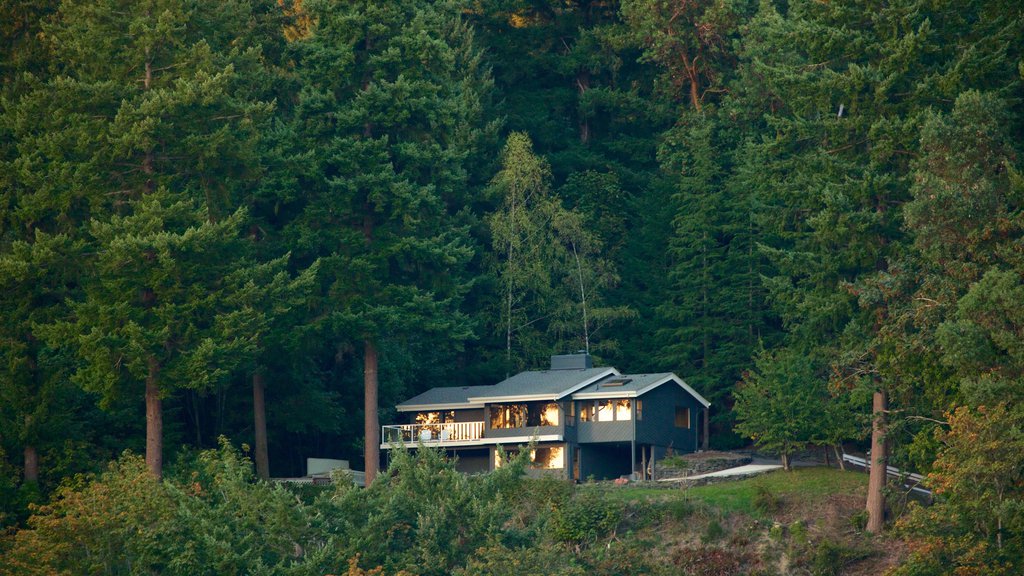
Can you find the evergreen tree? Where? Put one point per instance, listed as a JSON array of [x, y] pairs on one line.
[[849, 87], [144, 100], [390, 97]]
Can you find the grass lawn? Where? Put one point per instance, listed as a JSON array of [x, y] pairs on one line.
[[803, 484]]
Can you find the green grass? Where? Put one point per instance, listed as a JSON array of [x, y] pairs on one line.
[[738, 496]]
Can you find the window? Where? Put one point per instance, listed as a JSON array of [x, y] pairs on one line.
[[508, 416], [570, 414], [542, 458], [606, 411], [586, 411], [542, 414], [639, 409], [435, 417], [622, 410], [682, 417]]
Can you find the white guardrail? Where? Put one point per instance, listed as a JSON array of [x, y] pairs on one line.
[[911, 480], [431, 433]]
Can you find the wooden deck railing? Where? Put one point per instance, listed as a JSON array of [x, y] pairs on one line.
[[431, 433]]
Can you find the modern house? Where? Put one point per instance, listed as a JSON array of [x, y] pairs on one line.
[[586, 421]]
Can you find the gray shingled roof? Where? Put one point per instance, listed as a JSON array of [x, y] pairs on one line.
[[636, 382], [445, 396], [540, 382]]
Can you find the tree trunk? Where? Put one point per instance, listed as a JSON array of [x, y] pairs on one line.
[[582, 85], [154, 421], [839, 457], [31, 464], [259, 420], [876, 480], [371, 446], [785, 461]]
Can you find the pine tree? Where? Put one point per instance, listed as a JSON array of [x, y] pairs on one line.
[[390, 96], [156, 99], [849, 87]]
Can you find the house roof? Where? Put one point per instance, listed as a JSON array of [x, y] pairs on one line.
[[534, 385], [443, 398], [540, 385], [631, 386]]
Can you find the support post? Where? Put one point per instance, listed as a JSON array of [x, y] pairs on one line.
[[707, 427]]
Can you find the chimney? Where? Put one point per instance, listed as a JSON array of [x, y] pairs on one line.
[[579, 361]]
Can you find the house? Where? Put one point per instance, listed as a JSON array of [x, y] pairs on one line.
[[586, 421]]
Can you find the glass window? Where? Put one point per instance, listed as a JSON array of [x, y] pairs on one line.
[[570, 413], [605, 410], [586, 411], [548, 458], [639, 409], [622, 411], [682, 417], [428, 417], [542, 414], [544, 458], [508, 416]]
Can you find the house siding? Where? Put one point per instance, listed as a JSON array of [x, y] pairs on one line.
[[617, 431], [657, 427], [473, 415]]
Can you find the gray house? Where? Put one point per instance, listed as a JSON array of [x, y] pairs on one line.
[[586, 421]]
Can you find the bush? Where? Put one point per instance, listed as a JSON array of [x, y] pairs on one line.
[[766, 501], [584, 519], [714, 531], [829, 558]]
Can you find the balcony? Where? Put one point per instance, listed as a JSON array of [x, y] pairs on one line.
[[431, 433]]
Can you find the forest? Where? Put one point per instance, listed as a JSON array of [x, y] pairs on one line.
[[272, 220]]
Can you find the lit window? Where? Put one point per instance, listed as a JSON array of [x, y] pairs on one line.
[[605, 411], [508, 416], [543, 458], [586, 411], [622, 410], [639, 409], [542, 414], [682, 417]]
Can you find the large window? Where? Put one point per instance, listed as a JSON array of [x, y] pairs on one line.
[[606, 411], [508, 416], [543, 458], [435, 417], [542, 414], [529, 415]]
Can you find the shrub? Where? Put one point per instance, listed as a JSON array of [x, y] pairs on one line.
[[714, 531], [765, 500], [584, 519], [829, 558]]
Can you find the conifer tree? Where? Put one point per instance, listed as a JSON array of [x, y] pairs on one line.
[[389, 101], [151, 109], [849, 87]]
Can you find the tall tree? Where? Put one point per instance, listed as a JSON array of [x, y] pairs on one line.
[[547, 264], [145, 100], [848, 88], [390, 100]]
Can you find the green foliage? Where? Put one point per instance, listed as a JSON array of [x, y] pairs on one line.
[[547, 263], [213, 519], [583, 520], [783, 404], [766, 501], [829, 558]]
